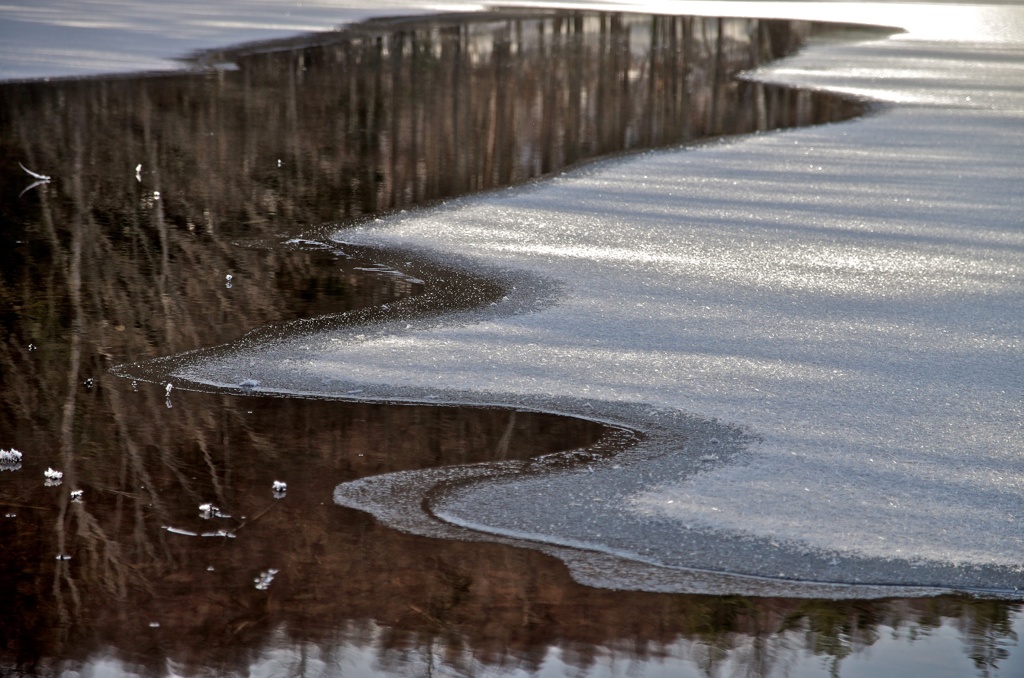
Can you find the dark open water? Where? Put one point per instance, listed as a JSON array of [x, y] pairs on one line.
[[164, 186]]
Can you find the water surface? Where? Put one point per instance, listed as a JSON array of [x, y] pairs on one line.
[[185, 211]]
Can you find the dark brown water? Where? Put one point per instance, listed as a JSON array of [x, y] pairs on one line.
[[164, 186]]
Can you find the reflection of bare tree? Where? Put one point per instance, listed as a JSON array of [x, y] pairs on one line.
[[100, 267], [988, 633]]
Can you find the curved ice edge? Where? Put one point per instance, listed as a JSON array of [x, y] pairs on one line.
[[410, 501], [398, 500], [589, 563]]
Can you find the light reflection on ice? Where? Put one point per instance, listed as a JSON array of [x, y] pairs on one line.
[[851, 294]]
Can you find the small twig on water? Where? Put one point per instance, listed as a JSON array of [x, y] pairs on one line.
[[256, 517], [37, 175], [11, 504], [40, 180]]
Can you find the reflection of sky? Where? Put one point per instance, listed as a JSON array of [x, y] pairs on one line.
[[55, 38], [937, 653]]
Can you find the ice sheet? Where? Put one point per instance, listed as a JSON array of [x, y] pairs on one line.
[[847, 300]]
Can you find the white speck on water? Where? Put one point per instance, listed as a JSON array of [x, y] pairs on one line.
[[266, 577], [154, 625], [10, 460], [208, 511], [63, 556], [168, 389], [76, 495]]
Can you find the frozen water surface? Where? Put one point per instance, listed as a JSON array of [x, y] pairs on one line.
[[845, 300]]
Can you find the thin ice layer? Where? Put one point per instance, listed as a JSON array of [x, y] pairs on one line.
[[851, 295]]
